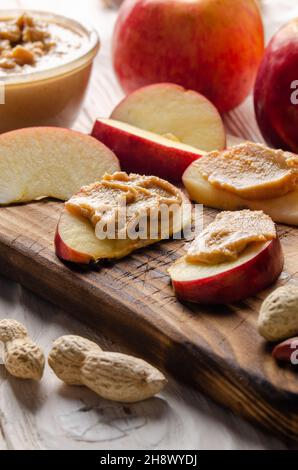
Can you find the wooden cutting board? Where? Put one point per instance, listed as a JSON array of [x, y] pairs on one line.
[[217, 350]]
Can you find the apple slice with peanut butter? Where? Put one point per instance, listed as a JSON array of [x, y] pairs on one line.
[[230, 233], [236, 256], [119, 214], [250, 176], [252, 171]]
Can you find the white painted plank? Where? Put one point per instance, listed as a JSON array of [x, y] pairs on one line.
[[51, 415]]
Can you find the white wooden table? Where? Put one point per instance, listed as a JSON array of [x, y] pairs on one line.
[[50, 415]]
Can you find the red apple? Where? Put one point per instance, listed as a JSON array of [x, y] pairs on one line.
[[255, 269], [210, 46], [276, 90], [144, 152]]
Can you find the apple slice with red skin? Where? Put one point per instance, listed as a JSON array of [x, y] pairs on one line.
[[169, 109], [257, 267], [75, 239], [144, 152], [181, 125]]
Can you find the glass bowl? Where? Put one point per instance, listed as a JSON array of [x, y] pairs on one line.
[[50, 96]]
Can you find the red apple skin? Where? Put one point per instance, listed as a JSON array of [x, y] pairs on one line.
[[137, 155], [66, 253], [276, 114], [211, 46], [237, 284]]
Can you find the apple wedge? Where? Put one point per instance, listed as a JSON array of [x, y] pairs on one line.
[[144, 152], [170, 110], [50, 162], [75, 239], [255, 269], [283, 209]]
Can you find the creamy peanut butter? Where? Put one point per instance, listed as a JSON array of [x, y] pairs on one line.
[[251, 171], [28, 44], [45, 65], [138, 195], [230, 233]]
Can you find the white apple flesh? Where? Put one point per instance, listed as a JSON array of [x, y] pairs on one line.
[[75, 241], [168, 109], [144, 152], [254, 270], [50, 162]]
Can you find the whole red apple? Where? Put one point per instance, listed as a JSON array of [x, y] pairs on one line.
[[276, 89], [211, 46]]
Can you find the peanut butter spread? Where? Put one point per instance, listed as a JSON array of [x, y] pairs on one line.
[[251, 171], [27, 43], [101, 201], [229, 235]]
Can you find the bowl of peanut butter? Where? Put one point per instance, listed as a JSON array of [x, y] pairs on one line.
[[45, 66]]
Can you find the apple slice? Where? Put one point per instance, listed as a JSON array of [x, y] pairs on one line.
[[170, 110], [283, 209], [144, 152], [255, 269], [75, 239], [50, 162]]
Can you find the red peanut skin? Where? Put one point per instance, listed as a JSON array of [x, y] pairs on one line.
[[276, 114], [236, 284], [283, 352], [211, 46]]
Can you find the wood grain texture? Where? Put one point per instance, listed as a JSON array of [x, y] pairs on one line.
[[48, 415], [216, 350]]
